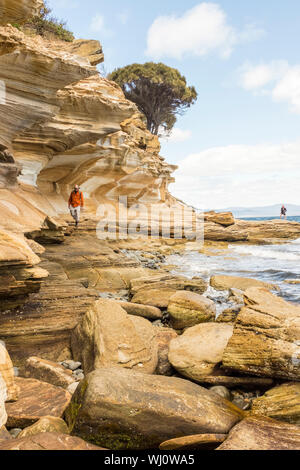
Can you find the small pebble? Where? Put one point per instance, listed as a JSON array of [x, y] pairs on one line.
[[71, 365], [222, 392], [15, 432]]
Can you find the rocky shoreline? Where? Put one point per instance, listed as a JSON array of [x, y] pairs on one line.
[[102, 345], [130, 319]]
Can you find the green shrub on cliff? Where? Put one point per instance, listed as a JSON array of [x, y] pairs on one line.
[[47, 25], [159, 91]]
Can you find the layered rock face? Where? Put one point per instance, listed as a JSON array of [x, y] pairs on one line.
[[61, 124], [17, 11]]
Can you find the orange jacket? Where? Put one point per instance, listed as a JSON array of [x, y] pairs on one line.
[[76, 199]]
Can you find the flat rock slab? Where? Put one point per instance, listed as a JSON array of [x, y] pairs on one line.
[[262, 434], [36, 400], [48, 441], [281, 403], [126, 410], [241, 283], [198, 442]]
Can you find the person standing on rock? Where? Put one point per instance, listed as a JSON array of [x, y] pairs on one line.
[[283, 212], [76, 203]]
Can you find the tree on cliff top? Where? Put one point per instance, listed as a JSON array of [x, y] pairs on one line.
[[159, 91], [47, 25]]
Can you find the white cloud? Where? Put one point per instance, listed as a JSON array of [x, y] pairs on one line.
[[199, 31], [278, 79], [288, 89], [240, 175], [178, 135]]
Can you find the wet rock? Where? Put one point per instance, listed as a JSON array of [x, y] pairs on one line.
[[187, 309], [229, 315], [256, 433], [108, 336], [36, 400], [199, 351], [143, 411]]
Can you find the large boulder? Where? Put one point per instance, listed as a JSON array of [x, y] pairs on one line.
[[121, 409], [7, 373], [240, 283], [256, 433], [198, 352], [156, 290], [36, 400], [188, 309], [48, 371], [281, 403], [108, 337], [48, 441], [265, 341]]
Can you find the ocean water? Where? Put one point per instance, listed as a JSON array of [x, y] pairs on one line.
[[295, 218], [271, 263]]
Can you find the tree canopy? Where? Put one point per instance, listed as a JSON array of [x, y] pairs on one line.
[[159, 91]]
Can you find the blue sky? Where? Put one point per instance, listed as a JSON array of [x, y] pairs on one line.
[[240, 144]]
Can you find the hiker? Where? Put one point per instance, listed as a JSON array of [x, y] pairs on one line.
[[76, 203], [283, 212]]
